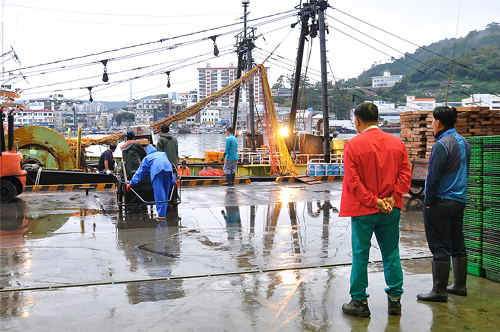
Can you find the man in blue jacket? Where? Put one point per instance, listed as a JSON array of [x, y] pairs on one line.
[[444, 204], [231, 156], [162, 177]]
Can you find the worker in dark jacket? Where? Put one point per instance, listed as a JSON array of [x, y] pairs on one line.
[[444, 204], [106, 160], [132, 153], [162, 178], [168, 143]]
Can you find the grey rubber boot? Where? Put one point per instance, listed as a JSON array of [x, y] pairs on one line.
[[228, 180], [459, 276], [440, 276]]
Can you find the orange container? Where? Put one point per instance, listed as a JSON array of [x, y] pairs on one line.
[[211, 156]]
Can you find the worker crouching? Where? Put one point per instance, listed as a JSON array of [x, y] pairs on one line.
[[162, 178]]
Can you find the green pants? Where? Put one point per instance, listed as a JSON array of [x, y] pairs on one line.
[[386, 229]]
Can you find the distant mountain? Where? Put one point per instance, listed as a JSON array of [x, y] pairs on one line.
[[475, 69], [475, 40], [114, 104]]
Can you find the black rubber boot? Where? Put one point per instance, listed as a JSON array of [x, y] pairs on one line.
[[233, 176], [228, 180], [358, 308], [440, 276], [394, 305], [459, 276]]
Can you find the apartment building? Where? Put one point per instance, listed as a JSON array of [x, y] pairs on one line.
[[34, 117], [213, 79]]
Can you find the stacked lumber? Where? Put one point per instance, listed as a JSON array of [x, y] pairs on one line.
[[478, 121], [417, 134]]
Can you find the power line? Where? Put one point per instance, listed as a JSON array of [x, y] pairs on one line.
[[107, 14], [418, 46], [409, 56], [416, 69], [157, 41], [127, 70]]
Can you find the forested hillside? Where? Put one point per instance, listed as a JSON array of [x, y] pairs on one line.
[[475, 69]]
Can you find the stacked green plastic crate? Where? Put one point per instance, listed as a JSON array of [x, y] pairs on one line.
[[473, 214], [491, 201]]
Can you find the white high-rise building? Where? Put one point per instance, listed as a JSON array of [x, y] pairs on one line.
[[213, 79]]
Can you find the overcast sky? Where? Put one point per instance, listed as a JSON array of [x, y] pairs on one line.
[[51, 31]]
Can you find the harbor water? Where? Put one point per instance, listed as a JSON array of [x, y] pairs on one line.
[[190, 145]]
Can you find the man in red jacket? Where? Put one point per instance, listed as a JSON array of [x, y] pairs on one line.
[[376, 175]]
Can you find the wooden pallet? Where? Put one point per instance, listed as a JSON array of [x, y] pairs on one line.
[[307, 179]]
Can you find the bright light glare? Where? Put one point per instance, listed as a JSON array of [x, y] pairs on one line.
[[283, 131]]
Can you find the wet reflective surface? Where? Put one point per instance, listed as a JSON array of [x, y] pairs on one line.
[[258, 257]]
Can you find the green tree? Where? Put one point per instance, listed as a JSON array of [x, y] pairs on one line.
[[280, 82]]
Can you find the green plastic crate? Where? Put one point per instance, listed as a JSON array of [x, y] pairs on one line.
[[492, 275], [490, 189], [491, 140], [491, 167], [474, 244], [475, 269], [493, 180], [475, 139]]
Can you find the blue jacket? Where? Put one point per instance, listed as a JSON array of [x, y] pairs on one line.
[[154, 162], [448, 168], [231, 150]]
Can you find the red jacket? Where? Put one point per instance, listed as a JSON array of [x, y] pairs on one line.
[[376, 165]]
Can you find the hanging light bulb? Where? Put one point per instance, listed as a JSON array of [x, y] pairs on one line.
[[168, 83], [90, 93], [105, 74], [216, 50], [314, 30]]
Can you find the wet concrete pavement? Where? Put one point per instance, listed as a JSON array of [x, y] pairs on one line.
[[256, 257]]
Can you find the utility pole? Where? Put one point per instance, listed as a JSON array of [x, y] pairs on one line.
[[304, 31], [249, 38], [308, 12], [324, 80]]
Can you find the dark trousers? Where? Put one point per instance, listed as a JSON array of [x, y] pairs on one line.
[[111, 166], [443, 222]]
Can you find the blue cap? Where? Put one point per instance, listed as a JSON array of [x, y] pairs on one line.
[[130, 134]]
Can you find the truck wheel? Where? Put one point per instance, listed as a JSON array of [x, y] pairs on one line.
[[416, 190], [8, 191]]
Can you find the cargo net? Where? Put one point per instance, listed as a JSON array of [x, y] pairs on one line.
[[281, 162], [87, 141]]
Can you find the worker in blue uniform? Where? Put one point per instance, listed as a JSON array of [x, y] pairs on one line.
[[162, 177]]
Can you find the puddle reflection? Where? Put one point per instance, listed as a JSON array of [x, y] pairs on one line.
[[234, 239]]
